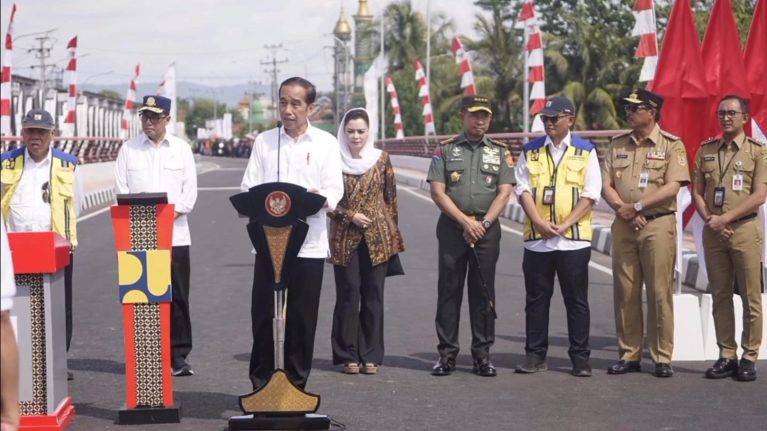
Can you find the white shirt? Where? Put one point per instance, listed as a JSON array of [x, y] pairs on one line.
[[28, 212], [7, 279], [312, 161], [592, 189], [145, 167]]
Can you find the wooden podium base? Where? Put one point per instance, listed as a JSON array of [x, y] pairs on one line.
[[56, 422], [149, 415], [268, 422]]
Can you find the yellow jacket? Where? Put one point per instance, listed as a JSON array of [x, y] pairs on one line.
[[63, 219]]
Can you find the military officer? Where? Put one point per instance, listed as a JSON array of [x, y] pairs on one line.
[[471, 179], [730, 184], [643, 171]]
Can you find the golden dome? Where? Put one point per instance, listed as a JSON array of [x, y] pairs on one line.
[[343, 29], [363, 9]]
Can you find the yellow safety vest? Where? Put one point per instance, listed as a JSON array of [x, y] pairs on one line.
[[568, 179], [63, 220]]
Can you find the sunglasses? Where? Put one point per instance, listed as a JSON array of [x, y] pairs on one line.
[[635, 108], [552, 118], [46, 193], [153, 118]]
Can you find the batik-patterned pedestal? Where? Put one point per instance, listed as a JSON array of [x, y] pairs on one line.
[[143, 238], [38, 311]]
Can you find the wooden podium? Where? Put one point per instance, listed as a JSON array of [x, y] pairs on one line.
[[39, 259], [143, 227]]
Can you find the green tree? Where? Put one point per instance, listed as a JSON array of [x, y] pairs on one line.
[[110, 93], [199, 112], [499, 61]]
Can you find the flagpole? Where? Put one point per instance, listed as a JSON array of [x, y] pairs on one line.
[[382, 112], [526, 86], [428, 41]]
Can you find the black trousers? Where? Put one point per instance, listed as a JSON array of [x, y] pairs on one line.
[[455, 258], [303, 300], [357, 334], [181, 324], [68, 298], [572, 269]]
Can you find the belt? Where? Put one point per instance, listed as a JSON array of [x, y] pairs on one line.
[[654, 216], [745, 217]]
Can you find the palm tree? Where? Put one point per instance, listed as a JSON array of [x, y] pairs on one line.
[[499, 54]]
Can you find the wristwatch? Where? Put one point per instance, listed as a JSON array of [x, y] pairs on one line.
[[638, 207], [486, 223]]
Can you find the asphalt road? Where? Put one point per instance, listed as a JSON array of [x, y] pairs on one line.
[[403, 396]]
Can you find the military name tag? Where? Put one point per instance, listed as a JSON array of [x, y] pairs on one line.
[[548, 195], [719, 197], [621, 156], [644, 179], [737, 183], [709, 158]]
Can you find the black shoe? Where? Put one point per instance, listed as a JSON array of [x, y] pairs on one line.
[[722, 368], [532, 364], [183, 371], [746, 371], [70, 376], [484, 368], [444, 367], [663, 369], [581, 368], [623, 367]]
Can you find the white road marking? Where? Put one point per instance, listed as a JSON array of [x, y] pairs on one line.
[[598, 267], [94, 214]]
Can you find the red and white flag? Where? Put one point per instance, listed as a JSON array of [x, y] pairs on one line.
[[423, 93], [645, 28], [395, 108], [130, 104], [536, 72], [5, 80], [68, 127], [467, 75], [168, 89]]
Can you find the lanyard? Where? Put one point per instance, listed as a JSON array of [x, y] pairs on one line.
[[552, 166], [727, 166]]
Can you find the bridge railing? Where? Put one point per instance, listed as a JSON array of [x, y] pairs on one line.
[[87, 149], [423, 146]]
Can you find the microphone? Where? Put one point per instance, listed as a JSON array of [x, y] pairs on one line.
[[279, 138]]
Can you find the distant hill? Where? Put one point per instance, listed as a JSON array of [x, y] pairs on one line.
[[229, 94]]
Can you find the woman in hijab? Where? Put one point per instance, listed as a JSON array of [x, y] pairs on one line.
[[363, 237]]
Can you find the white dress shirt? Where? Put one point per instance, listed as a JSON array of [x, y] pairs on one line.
[[29, 212], [7, 278], [312, 161], [145, 167], [592, 189]]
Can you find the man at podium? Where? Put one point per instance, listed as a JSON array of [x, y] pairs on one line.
[[298, 153], [41, 191]]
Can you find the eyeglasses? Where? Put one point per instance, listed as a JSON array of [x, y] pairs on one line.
[[552, 118], [728, 114], [635, 108], [46, 193], [153, 118]]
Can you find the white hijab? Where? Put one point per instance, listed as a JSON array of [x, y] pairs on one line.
[[369, 154]]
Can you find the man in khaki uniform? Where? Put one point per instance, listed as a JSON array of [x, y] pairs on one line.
[[730, 184], [643, 171]]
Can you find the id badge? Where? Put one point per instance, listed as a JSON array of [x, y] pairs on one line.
[[737, 183], [644, 179], [548, 195], [719, 197]]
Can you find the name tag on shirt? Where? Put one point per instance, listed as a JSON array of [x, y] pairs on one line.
[[644, 179], [737, 183]]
